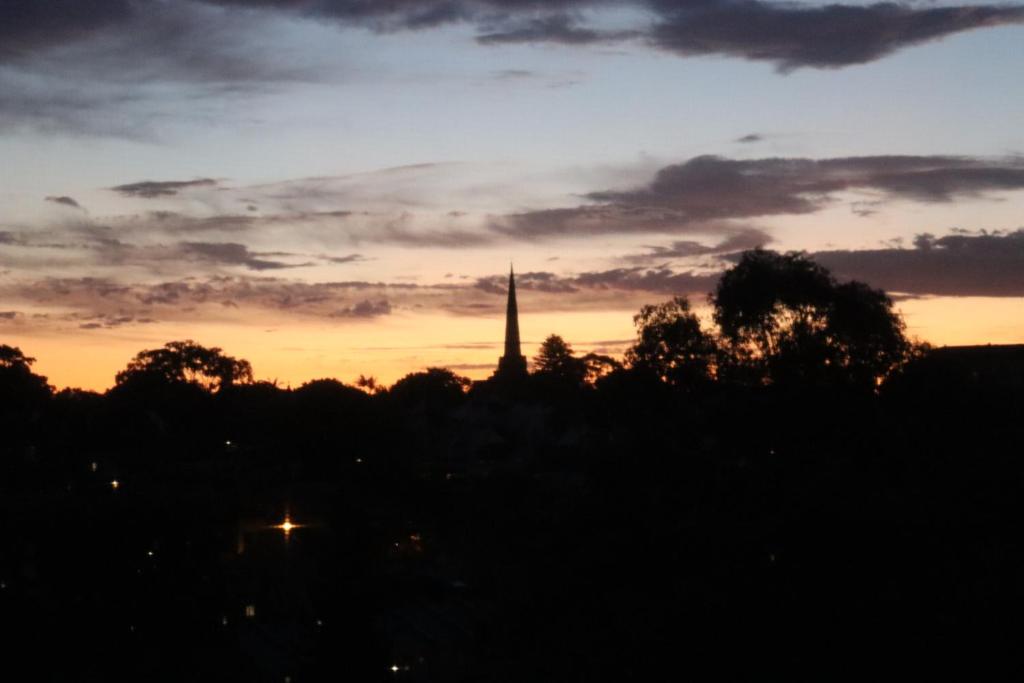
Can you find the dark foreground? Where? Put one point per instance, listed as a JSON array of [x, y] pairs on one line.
[[538, 532]]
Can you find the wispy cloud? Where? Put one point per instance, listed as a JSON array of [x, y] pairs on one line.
[[65, 201], [148, 189], [741, 240], [232, 253], [554, 28], [366, 308], [88, 300]]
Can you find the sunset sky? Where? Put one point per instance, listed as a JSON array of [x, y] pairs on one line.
[[330, 188]]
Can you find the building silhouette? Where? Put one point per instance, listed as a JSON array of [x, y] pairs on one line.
[[513, 363]]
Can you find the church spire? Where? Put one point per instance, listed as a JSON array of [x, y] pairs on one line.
[[513, 363]]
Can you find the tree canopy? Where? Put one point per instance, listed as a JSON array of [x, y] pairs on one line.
[[785, 318], [18, 384], [670, 343], [11, 357], [555, 358], [438, 386], [185, 362]]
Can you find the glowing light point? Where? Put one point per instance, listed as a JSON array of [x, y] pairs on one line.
[[394, 668], [115, 484], [94, 466], [287, 526]]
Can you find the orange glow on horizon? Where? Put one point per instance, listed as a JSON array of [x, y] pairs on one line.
[[296, 351]]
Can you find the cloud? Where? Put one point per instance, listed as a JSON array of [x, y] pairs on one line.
[[658, 280], [43, 103], [824, 36], [741, 240], [348, 258], [787, 34], [706, 192], [581, 221], [65, 65], [469, 366], [96, 299], [408, 205], [27, 26], [714, 187], [555, 28], [66, 201], [88, 245], [635, 279], [105, 321], [752, 137], [225, 40], [529, 281], [703, 196], [108, 301], [513, 74], [396, 15], [960, 264], [139, 41], [365, 309], [710, 199], [148, 189], [232, 253]]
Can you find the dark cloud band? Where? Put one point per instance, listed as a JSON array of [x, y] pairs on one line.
[[964, 264], [828, 36], [792, 36], [694, 195]]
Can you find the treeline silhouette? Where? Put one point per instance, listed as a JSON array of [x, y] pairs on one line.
[[795, 490]]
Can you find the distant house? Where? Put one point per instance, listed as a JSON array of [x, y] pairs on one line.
[[989, 364]]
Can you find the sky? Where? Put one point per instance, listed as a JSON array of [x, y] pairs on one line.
[[330, 188]]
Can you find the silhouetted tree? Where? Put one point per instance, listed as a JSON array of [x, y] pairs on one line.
[[19, 386], [369, 384], [436, 387], [13, 357], [596, 366], [185, 362], [671, 344], [556, 359], [331, 420], [786, 319]]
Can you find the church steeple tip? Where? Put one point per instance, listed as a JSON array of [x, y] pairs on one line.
[[513, 363]]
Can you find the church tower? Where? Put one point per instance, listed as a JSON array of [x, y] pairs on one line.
[[513, 363]]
